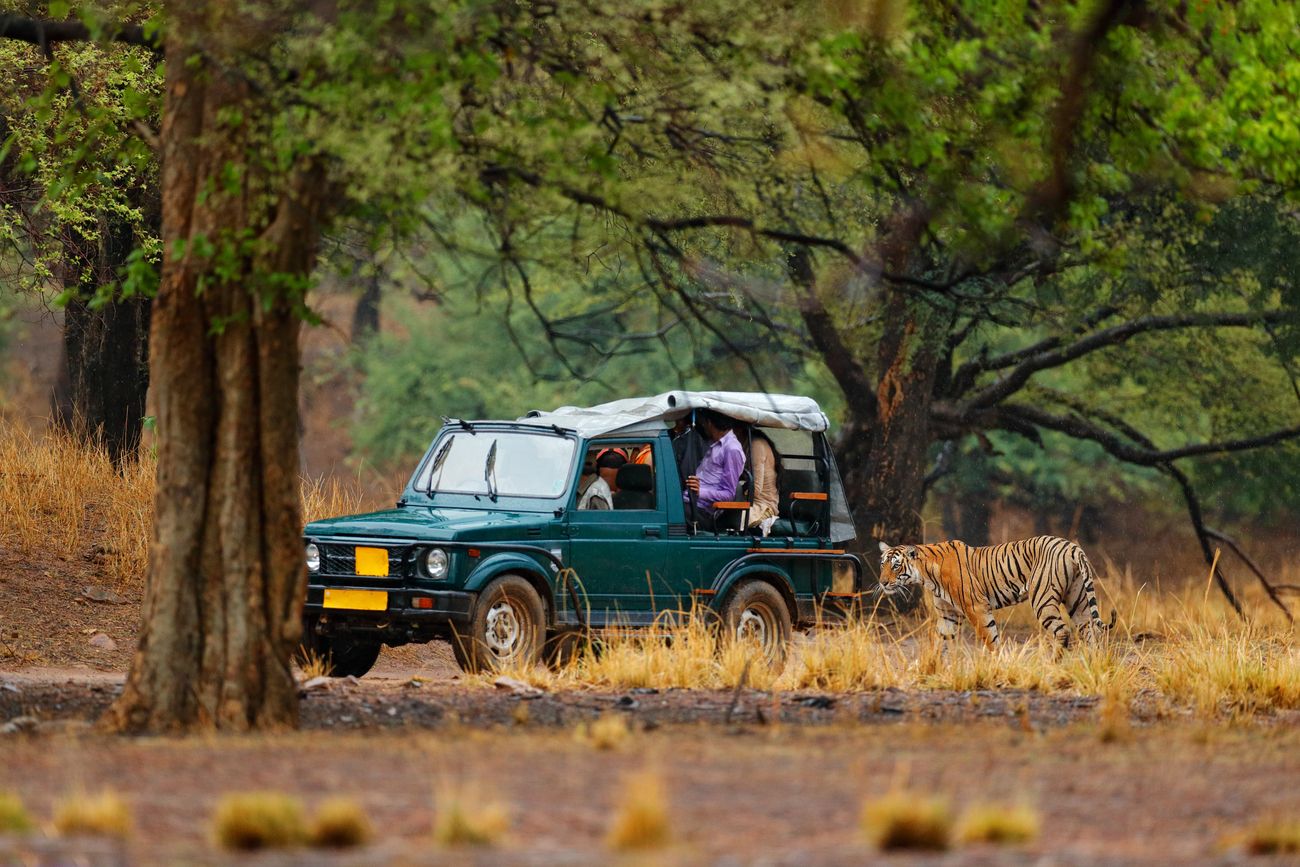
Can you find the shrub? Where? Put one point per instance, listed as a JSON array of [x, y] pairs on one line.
[[101, 815], [998, 823], [907, 820], [340, 823], [259, 820], [642, 818]]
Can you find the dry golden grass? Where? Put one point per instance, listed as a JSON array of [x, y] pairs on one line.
[[1274, 836], [340, 823], [641, 819], [608, 732], [59, 495], [466, 816], [102, 815], [998, 823], [13, 815], [312, 664], [247, 821], [907, 820]]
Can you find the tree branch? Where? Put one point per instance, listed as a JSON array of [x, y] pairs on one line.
[[1055, 355], [42, 32]]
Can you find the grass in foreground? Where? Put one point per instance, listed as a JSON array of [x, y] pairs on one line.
[[13, 815], [998, 823], [340, 823], [641, 819], [907, 820], [248, 821], [101, 815], [1274, 837], [465, 816]]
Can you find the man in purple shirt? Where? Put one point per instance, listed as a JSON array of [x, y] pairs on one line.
[[716, 477]]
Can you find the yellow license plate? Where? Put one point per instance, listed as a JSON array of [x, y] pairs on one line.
[[372, 562], [357, 600]]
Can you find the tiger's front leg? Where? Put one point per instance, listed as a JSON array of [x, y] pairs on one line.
[[981, 617], [948, 619]]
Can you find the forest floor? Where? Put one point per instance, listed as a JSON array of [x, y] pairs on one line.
[[750, 776]]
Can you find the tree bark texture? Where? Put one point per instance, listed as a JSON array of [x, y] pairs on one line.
[[222, 608], [887, 455], [104, 368]]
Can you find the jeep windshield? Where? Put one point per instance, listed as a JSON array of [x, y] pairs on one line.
[[493, 463]]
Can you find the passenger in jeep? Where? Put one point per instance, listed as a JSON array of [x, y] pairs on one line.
[[719, 471]]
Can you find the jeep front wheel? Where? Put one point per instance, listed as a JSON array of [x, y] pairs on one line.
[[506, 630], [343, 657], [756, 613]]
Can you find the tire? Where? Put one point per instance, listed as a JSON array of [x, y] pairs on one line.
[[755, 611], [506, 630], [564, 647], [345, 657]]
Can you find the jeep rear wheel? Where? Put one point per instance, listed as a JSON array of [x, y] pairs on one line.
[[756, 613], [506, 630]]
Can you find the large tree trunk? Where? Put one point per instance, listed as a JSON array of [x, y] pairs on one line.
[[885, 454], [104, 369], [222, 609]]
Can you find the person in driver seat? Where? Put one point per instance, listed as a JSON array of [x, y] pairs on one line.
[[599, 493]]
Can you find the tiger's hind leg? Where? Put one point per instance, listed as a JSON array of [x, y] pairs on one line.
[[1080, 598], [1046, 589]]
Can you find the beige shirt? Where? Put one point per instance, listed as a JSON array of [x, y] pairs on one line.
[[763, 467]]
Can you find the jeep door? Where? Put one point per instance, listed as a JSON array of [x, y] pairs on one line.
[[619, 554]]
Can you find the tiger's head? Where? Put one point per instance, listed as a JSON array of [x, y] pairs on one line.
[[899, 564]]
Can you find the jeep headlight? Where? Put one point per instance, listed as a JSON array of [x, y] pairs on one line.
[[436, 562], [313, 558]]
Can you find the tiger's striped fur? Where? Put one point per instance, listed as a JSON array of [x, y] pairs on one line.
[[1052, 573]]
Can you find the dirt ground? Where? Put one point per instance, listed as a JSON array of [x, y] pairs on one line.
[[753, 778]]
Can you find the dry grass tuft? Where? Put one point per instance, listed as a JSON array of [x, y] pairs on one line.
[[999, 823], [13, 815], [641, 821], [465, 816], [101, 815], [340, 823], [907, 820], [247, 821], [1274, 837], [312, 664], [608, 732]]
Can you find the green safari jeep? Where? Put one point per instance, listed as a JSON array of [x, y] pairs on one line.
[[488, 549]]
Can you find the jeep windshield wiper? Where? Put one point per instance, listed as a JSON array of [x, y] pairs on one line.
[[438, 460], [490, 472]]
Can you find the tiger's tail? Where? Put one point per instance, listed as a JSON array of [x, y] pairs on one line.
[[1090, 587]]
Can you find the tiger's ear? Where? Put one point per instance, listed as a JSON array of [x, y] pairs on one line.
[[912, 553], [884, 549]]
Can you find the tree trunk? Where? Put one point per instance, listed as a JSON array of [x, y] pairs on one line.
[[104, 369], [884, 455], [222, 608]]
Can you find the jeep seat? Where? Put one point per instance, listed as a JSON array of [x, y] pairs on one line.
[[797, 517], [636, 487]]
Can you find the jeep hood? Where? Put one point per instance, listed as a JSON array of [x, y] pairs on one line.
[[423, 523]]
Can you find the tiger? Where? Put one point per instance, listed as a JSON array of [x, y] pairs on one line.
[[1052, 573]]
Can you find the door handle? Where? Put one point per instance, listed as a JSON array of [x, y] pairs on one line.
[[651, 530]]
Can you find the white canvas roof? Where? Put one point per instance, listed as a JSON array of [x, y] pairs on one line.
[[638, 413]]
